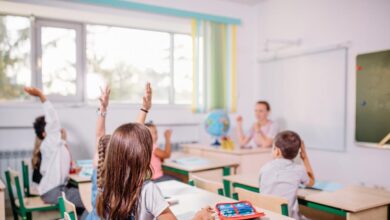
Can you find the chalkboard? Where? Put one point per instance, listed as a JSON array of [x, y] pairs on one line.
[[307, 94], [372, 96]]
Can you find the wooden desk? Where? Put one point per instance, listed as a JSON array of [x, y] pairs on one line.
[[250, 160], [351, 202], [2, 200], [217, 166], [85, 188], [192, 199]]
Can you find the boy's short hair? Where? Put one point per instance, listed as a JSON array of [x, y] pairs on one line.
[[39, 127], [289, 144]]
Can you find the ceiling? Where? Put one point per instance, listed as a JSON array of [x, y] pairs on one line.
[[245, 2]]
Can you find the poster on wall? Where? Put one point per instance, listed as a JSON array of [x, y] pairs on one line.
[[373, 99]]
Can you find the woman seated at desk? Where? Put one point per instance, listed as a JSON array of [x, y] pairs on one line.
[[262, 131]]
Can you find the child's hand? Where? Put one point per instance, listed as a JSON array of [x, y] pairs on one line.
[[147, 99], [303, 151], [257, 127], [204, 214], [33, 91], [239, 120], [104, 97], [168, 134]]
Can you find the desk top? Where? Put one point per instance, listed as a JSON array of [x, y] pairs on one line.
[[192, 199], [236, 151], [79, 179], [209, 163], [350, 198]]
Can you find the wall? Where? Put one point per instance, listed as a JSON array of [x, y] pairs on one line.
[[325, 22], [79, 120]]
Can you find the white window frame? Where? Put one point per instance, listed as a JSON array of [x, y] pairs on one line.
[[79, 29]]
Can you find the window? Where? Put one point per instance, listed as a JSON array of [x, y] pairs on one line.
[[14, 57], [59, 60], [127, 58], [73, 60]]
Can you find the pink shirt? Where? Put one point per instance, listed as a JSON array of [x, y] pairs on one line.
[[270, 130], [156, 164]]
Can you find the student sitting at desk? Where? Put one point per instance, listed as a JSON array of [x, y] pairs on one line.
[[55, 157], [158, 155], [262, 131], [282, 176], [102, 139]]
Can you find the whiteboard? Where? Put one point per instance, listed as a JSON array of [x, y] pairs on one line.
[[307, 94]]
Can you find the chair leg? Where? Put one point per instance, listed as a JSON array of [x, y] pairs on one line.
[[29, 215]]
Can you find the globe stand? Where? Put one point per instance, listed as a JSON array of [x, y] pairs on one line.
[[216, 143]]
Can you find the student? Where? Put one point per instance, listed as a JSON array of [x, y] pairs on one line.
[[262, 131], [158, 155], [55, 160], [102, 139], [126, 191], [282, 177]]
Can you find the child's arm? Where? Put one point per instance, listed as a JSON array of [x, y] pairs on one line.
[[242, 138], [146, 105], [307, 165], [166, 153], [101, 121], [53, 125]]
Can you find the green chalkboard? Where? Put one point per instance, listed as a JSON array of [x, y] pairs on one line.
[[372, 96]]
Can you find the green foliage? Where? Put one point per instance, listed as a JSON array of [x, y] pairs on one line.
[[11, 58]]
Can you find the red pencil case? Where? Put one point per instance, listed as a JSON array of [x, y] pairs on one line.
[[237, 210]]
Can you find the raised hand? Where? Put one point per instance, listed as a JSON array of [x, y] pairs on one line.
[[104, 97], [204, 214], [33, 91], [147, 99], [168, 134]]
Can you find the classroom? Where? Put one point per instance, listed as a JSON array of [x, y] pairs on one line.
[[194, 109]]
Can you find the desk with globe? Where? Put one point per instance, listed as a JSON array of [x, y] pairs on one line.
[[217, 159]]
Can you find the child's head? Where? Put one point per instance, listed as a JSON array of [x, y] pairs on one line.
[[153, 131], [262, 109], [39, 127], [287, 145], [126, 166]]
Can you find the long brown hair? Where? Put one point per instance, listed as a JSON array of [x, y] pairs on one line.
[[126, 166], [36, 154]]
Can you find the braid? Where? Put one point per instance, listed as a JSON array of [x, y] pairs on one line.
[[103, 143]]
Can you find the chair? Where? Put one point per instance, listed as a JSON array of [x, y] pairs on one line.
[[211, 186], [272, 203], [67, 208], [23, 206], [28, 192]]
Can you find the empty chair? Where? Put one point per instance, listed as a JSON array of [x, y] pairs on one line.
[[67, 208], [209, 185]]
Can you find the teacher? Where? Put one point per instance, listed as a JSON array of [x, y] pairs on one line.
[[262, 131]]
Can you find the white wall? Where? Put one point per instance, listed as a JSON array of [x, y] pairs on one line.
[[325, 22], [80, 120]]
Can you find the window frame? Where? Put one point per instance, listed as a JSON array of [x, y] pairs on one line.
[[79, 45], [80, 99]]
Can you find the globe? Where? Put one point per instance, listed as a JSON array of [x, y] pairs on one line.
[[217, 124]]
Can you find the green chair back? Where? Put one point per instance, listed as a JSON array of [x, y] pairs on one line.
[[26, 179], [67, 209]]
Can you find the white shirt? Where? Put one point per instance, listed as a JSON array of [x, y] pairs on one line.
[[152, 202], [55, 163], [282, 177]]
